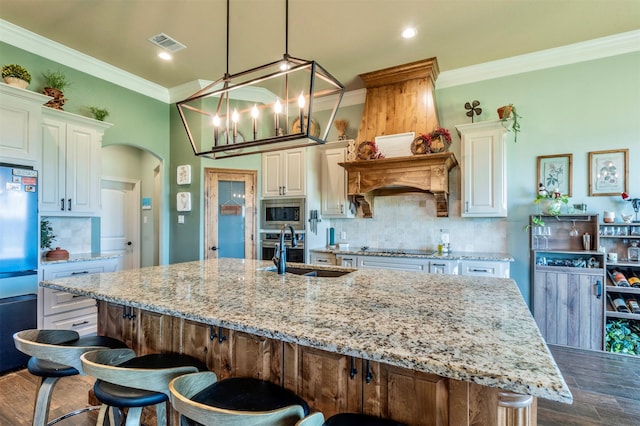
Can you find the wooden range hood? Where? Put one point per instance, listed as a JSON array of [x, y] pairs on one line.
[[399, 99]]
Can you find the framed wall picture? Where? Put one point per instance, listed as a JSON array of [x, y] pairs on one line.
[[554, 172], [608, 172]]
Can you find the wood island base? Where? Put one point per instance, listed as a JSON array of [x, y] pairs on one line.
[[329, 382]]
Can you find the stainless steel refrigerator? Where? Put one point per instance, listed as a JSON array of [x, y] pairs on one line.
[[19, 249]]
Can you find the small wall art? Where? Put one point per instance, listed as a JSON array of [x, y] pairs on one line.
[[184, 174], [183, 201], [608, 172], [554, 172]]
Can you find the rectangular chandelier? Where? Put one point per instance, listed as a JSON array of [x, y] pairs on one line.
[[285, 104]]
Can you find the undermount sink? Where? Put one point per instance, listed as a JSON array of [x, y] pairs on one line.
[[313, 272]]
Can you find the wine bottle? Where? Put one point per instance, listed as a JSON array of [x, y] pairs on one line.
[[634, 280], [617, 301], [632, 304], [618, 278]]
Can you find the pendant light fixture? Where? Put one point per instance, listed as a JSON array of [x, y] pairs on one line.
[[284, 104]]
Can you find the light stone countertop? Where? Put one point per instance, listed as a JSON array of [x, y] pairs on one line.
[[475, 329]]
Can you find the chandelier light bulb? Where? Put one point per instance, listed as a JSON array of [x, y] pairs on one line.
[[254, 111], [216, 120], [301, 101], [277, 107]]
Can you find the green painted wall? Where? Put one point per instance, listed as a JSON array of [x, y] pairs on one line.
[[138, 120], [578, 108]]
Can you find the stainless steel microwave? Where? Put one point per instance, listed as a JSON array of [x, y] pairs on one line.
[[278, 212]]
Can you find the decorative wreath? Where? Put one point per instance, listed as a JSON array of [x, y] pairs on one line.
[[368, 150], [429, 143]]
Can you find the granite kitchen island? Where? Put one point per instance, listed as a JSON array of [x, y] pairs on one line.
[[420, 348]]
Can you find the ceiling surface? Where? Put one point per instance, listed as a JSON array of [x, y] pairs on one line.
[[347, 37]]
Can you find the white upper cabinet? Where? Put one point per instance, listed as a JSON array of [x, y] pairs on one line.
[[283, 173], [70, 170], [484, 169], [335, 201], [20, 118]]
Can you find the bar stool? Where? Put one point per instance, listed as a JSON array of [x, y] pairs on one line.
[[346, 419], [201, 399], [127, 381], [56, 354]]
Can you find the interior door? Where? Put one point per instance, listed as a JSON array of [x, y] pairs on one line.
[[230, 213], [120, 221]]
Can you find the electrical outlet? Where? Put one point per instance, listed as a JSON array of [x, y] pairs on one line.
[[180, 218], [343, 235]]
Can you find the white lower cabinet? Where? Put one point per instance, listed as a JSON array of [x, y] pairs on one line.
[[347, 261], [323, 258], [66, 311], [397, 263], [478, 268], [448, 267], [485, 268]]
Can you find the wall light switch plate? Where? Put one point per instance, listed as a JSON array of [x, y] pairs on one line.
[[180, 218], [343, 235]]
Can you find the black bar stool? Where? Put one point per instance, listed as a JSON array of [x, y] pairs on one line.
[[203, 400], [127, 381], [56, 354]]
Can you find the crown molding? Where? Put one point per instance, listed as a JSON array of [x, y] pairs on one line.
[[604, 47], [617, 44], [38, 45]]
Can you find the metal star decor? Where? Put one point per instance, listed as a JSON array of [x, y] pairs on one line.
[[473, 109]]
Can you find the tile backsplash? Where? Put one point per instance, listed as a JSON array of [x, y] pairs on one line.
[[410, 222], [72, 233]]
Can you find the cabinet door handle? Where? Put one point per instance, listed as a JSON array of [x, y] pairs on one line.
[[369, 375], [62, 204], [466, 207], [341, 208], [598, 289], [69, 204], [353, 371], [284, 190]]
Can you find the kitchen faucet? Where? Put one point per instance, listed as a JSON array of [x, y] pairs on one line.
[[280, 255]]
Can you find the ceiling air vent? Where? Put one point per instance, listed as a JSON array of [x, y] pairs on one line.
[[167, 42]]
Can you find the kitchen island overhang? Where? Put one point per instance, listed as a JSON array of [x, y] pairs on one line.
[[471, 329]]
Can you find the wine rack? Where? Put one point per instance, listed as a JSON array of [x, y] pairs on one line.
[[618, 238]]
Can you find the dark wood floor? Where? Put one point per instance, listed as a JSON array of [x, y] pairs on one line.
[[605, 387]]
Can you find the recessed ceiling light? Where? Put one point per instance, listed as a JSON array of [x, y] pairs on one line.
[[409, 33], [165, 55]]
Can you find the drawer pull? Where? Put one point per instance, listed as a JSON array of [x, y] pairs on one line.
[[76, 296], [76, 324], [79, 272], [322, 260], [479, 270]]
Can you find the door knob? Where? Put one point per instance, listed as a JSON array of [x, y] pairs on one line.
[[214, 248], [129, 243]]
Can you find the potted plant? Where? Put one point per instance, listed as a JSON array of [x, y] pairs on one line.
[[16, 75], [509, 112], [622, 336], [46, 234], [551, 204], [99, 113], [55, 82]]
